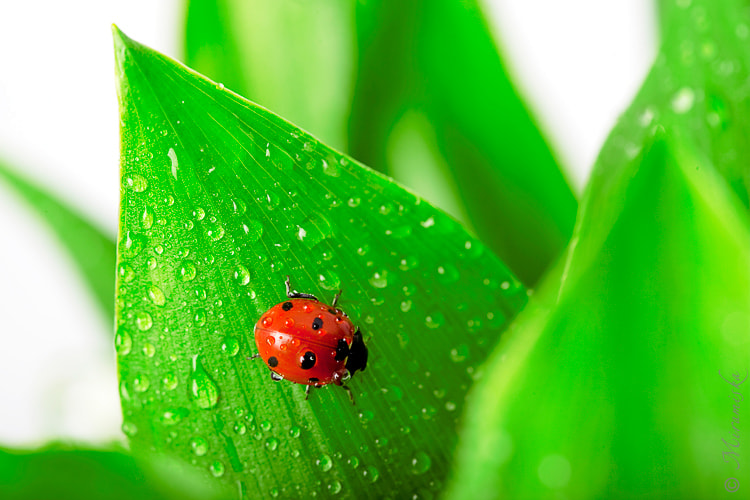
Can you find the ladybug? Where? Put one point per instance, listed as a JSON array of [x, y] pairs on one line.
[[308, 342]]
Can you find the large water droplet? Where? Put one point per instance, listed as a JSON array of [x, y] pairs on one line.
[[420, 463], [324, 462], [123, 343], [133, 244], [203, 390], [147, 218], [241, 275], [199, 446], [230, 345], [314, 230], [214, 231], [173, 161], [136, 182], [371, 473], [200, 317], [187, 271], [141, 383], [156, 295], [253, 229], [217, 468], [683, 100], [143, 321], [129, 428], [170, 381], [126, 272], [329, 280]]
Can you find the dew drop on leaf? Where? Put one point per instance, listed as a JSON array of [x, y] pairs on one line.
[[379, 279], [200, 317], [173, 162], [129, 428], [143, 321], [371, 473], [324, 463], [169, 380], [447, 274], [199, 446], [149, 350], [126, 272], [420, 463], [314, 230], [253, 229], [295, 431], [141, 383], [187, 271], [214, 231], [123, 343], [133, 244], [334, 488], [203, 389], [217, 468], [683, 100], [329, 280], [241, 275], [137, 183], [272, 444], [156, 295], [230, 345], [199, 213], [434, 320], [147, 218]]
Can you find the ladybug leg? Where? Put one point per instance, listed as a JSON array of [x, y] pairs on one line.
[[254, 356], [293, 294], [351, 394], [307, 392], [336, 299]]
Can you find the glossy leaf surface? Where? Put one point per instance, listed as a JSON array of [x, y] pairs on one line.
[[221, 200], [92, 251]]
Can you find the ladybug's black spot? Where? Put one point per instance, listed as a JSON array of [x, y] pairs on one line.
[[317, 323], [342, 350], [286, 306], [273, 362], [307, 360]]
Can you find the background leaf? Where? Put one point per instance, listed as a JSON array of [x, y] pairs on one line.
[[617, 373], [92, 251], [221, 199], [291, 57], [438, 60]]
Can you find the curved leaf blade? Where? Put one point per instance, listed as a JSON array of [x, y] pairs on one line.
[[92, 251], [233, 199], [439, 59], [601, 368]]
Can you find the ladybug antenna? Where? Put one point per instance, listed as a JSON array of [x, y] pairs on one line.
[[336, 299]]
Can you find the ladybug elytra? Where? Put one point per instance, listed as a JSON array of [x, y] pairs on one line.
[[308, 342]]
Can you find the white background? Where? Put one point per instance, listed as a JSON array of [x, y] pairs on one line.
[[578, 62]]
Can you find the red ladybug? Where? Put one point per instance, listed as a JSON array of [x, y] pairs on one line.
[[308, 342]]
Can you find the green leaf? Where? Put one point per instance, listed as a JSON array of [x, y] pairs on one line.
[[609, 385], [699, 85], [235, 198], [92, 251], [291, 57], [438, 60], [62, 472]]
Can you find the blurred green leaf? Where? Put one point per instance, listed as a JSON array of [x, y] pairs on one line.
[[438, 59], [221, 199], [291, 57], [92, 251], [63, 472], [609, 385]]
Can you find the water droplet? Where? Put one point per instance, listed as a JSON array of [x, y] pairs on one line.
[[217, 468], [406, 305], [329, 280], [200, 317], [408, 263], [230, 345], [253, 229], [136, 182], [199, 446], [240, 428], [460, 353], [151, 263], [354, 202], [295, 431], [147, 218], [199, 213], [123, 343], [420, 463], [265, 425], [334, 488], [379, 279], [143, 321], [202, 389], [187, 270], [169, 380], [428, 223], [331, 168], [683, 100], [173, 416], [141, 383], [129, 428], [435, 320], [371, 473], [126, 273], [447, 274], [149, 350], [173, 161], [241, 275], [324, 462], [392, 393], [133, 244], [156, 295], [314, 230], [272, 444], [214, 231]]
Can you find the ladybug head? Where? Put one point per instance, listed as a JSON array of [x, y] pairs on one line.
[[357, 354]]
